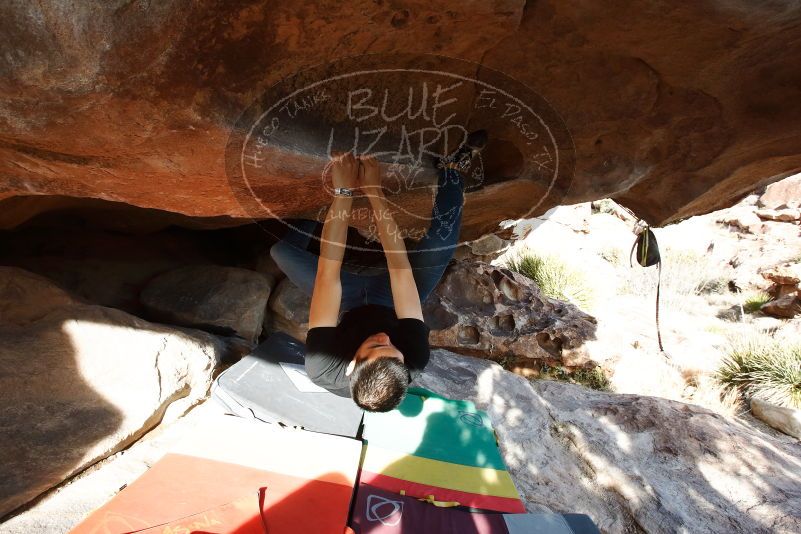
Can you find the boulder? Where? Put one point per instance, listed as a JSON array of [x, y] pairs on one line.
[[81, 382], [266, 265], [485, 249], [782, 215], [633, 463], [782, 194], [785, 307], [787, 274], [103, 266], [784, 419], [124, 102], [26, 297], [225, 300], [784, 290], [742, 220], [492, 312], [289, 308], [607, 205]]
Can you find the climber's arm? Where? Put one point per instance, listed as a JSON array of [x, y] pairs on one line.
[[327, 293], [401, 277]]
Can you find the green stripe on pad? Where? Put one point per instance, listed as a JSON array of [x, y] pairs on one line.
[[430, 426]]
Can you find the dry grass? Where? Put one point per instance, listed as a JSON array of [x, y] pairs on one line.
[[684, 274], [555, 277], [763, 368], [594, 378], [713, 395]]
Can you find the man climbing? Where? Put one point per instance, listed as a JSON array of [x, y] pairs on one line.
[[367, 339]]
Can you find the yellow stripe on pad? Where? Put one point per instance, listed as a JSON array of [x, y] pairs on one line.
[[480, 480]]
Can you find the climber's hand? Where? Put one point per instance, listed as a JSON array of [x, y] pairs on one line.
[[369, 176], [344, 171]]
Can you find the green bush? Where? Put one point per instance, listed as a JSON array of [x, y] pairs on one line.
[[555, 278], [754, 301], [592, 378], [764, 369]]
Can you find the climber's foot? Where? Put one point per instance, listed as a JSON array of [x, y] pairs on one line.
[[462, 158]]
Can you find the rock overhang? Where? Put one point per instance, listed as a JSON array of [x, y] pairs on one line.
[[683, 113]]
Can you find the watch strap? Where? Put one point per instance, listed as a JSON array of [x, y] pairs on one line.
[[343, 192]]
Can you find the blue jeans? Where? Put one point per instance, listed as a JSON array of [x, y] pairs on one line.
[[428, 260]]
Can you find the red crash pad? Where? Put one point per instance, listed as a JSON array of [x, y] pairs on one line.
[[212, 485], [182, 494]]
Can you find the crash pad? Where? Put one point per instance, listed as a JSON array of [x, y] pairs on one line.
[[235, 476], [271, 385], [377, 511], [434, 446]]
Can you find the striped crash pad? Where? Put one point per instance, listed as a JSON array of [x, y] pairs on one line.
[[381, 512], [438, 448]]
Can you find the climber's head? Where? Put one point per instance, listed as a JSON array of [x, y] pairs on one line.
[[378, 377]]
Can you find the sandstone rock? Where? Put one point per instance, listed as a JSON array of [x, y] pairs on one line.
[[289, 310], [787, 420], [223, 299], [782, 194], [81, 382], [784, 290], [266, 265], [484, 249], [785, 307], [492, 312], [633, 463], [607, 205], [785, 274], [100, 266], [743, 220], [488, 245], [26, 297], [150, 93], [750, 200], [70, 504], [783, 215]]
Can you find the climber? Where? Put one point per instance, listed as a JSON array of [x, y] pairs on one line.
[[366, 338]]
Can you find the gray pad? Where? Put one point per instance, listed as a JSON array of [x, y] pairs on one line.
[[259, 387]]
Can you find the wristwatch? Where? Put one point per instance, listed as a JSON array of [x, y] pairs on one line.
[[343, 192]]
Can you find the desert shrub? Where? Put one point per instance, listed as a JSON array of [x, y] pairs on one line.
[[760, 367], [592, 378], [715, 284], [555, 277], [605, 205], [613, 255], [754, 301], [609, 206], [711, 394], [684, 273]]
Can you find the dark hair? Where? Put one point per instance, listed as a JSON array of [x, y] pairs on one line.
[[379, 385]]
